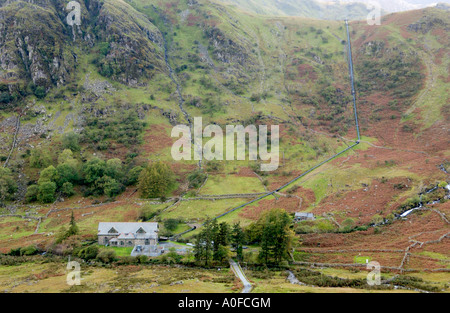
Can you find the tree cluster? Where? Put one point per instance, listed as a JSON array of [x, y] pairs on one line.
[[272, 232], [213, 242], [97, 177]]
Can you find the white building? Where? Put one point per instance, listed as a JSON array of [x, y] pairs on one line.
[[128, 234], [304, 216]]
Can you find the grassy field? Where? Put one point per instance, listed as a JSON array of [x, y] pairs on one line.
[[51, 277], [199, 210], [119, 251], [230, 184]]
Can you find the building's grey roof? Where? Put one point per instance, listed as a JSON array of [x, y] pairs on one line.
[[146, 236], [126, 228], [304, 214], [126, 236]]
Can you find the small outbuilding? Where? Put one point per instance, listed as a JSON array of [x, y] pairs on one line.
[[304, 216]]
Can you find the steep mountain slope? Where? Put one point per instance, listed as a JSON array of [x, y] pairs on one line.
[[331, 10], [402, 5], [326, 10], [133, 69]]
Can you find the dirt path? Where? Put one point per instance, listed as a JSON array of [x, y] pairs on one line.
[[294, 280], [236, 268]]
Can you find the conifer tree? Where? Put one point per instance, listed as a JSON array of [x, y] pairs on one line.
[[73, 229], [276, 237], [204, 243], [237, 240]]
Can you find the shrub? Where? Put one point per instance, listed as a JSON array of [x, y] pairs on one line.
[[112, 187], [104, 48], [362, 228], [46, 192], [390, 218], [142, 259], [14, 252], [414, 282], [147, 213], [399, 186], [325, 226], [71, 141], [66, 157], [172, 257], [443, 184], [255, 98], [30, 250], [303, 229], [8, 186], [67, 173], [196, 179], [32, 193], [171, 224], [93, 170], [106, 256], [127, 260], [5, 97], [376, 219], [40, 92], [121, 125], [216, 166], [89, 253], [133, 175], [411, 203], [48, 175], [67, 189], [320, 280], [348, 222], [407, 128], [114, 169], [39, 158]]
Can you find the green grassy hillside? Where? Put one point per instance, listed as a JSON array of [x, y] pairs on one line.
[[312, 9]]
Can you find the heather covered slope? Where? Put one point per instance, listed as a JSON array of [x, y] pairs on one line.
[[134, 69]]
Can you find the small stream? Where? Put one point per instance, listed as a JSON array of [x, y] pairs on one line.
[[172, 76], [447, 196], [442, 168]]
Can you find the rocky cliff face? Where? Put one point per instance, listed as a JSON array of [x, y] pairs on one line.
[[134, 48], [38, 47], [225, 49], [427, 23], [32, 45]]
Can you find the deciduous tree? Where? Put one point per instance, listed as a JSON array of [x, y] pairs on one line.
[[156, 180]]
